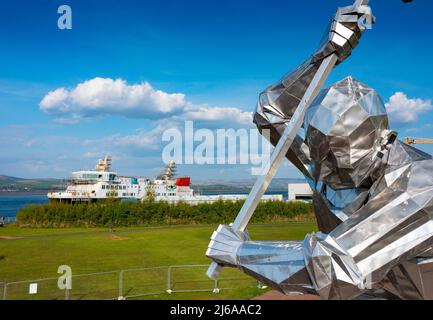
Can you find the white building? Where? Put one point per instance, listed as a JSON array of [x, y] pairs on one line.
[[299, 192]]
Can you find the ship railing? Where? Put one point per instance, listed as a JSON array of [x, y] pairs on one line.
[[82, 181], [55, 191]]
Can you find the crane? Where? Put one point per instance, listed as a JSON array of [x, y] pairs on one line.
[[418, 141]]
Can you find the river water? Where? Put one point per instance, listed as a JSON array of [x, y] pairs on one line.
[[10, 204]]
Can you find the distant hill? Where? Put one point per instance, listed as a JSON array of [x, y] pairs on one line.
[[242, 186], [9, 184]]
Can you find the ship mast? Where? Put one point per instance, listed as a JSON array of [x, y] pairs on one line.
[[104, 165], [170, 171]]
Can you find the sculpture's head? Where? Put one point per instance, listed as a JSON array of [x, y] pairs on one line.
[[343, 128]]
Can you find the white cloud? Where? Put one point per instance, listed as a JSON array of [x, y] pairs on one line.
[[401, 109], [92, 155], [73, 119], [105, 96], [108, 96], [142, 139], [98, 97], [218, 114], [55, 101]]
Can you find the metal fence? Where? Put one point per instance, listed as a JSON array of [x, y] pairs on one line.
[[2, 285], [143, 282], [127, 284]]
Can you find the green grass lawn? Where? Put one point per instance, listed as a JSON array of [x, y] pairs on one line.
[[39, 252]]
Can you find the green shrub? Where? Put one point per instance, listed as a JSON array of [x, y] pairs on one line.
[[150, 213]]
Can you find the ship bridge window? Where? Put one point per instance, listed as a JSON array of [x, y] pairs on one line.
[[112, 177], [103, 187], [89, 176]]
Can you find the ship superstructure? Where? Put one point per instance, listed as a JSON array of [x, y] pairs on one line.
[[103, 183]]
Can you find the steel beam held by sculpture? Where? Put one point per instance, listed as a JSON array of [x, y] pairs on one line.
[[373, 195]]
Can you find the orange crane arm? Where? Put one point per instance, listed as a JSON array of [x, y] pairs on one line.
[[418, 141]]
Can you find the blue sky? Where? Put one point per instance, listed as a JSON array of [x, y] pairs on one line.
[[215, 54]]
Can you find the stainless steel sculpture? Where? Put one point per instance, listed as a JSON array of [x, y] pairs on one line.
[[373, 195]]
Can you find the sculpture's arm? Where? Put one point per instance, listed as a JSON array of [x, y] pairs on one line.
[[393, 227], [278, 103], [278, 264], [390, 229]]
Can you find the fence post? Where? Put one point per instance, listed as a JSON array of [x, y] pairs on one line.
[[5, 291], [216, 289], [121, 284], [169, 291]]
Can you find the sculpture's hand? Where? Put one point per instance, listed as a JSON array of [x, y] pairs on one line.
[[225, 244], [347, 28]]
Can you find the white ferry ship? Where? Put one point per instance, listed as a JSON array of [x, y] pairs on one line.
[[104, 183]]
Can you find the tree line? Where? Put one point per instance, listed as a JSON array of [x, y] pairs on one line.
[[151, 213]]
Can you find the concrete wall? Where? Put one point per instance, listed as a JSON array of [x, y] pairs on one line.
[[299, 191]]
